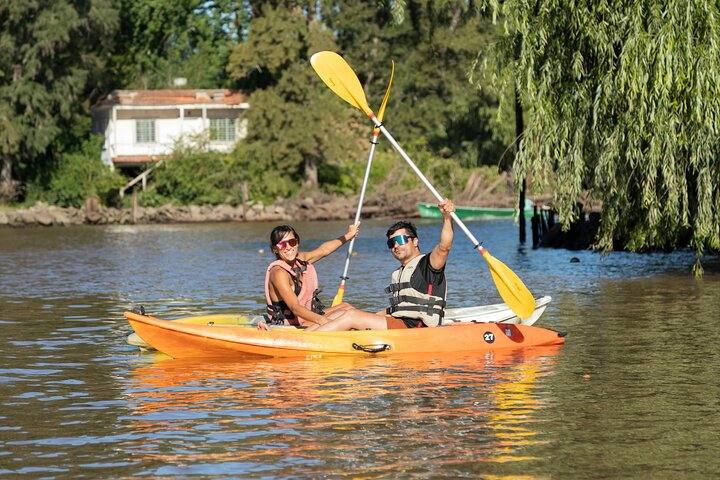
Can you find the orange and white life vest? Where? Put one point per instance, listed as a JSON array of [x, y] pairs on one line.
[[306, 291]]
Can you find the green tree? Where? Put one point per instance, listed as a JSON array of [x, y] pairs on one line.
[[160, 40], [435, 45], [52, 54], [622, 102], [294, 124]]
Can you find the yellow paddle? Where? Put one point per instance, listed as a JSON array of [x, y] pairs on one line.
[[373, 142], [341, 79]]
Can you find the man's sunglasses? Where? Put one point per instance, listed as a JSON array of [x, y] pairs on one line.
[[399, 239], [285, 243]]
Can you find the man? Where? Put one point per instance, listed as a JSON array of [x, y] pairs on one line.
[[418, 287]]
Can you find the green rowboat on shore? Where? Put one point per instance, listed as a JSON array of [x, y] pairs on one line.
[[431, 210]]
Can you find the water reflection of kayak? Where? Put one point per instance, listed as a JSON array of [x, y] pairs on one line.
[[334, 403], [499, 313], [195, 381], [185, 338]]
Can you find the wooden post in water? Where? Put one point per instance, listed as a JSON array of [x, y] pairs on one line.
[[519, 127], [521, 218], [534, 226]]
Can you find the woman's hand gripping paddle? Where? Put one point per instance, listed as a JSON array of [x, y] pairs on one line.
[[373, 142], [340, 77]]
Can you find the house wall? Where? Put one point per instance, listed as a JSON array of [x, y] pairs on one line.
[[171, 126]]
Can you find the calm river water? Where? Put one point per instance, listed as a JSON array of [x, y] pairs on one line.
[[634, 393]]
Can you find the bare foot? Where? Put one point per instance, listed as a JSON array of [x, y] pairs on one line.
[[262, 325]]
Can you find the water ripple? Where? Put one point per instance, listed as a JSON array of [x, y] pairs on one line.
[[634, 392]]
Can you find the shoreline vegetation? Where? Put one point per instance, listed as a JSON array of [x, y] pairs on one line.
[[180, 191]]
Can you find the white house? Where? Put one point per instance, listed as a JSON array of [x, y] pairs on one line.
[[143, 126]]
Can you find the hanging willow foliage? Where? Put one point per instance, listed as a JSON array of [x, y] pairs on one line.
[[622, 100]]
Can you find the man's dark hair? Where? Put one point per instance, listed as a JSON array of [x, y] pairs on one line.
[[409, 227], [279, 232]]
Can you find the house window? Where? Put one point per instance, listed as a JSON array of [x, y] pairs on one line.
[[144, 131], [222, 130]]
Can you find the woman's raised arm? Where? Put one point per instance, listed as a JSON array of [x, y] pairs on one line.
[[331, 245]]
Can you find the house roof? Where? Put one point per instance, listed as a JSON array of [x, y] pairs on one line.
[[171, 97]]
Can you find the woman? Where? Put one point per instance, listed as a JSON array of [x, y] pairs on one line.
[[291, 284]]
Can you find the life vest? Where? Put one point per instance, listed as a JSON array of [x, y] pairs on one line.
[[307, 293], [407, 302]]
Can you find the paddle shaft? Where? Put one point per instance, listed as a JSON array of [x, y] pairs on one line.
[[373, 143], [424, 179]]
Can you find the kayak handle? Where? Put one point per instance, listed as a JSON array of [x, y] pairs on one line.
[[371, 349]]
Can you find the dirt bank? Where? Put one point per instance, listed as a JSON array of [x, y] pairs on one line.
[[317, 206]]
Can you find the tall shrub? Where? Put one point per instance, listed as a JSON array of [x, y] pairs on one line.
[[81, 174]]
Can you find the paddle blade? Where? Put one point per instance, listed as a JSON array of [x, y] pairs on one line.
[[381, 111], [340, 77], [512, 290], [339, 296]]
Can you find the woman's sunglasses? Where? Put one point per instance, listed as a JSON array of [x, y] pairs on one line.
[[399, 239], [285, 243]]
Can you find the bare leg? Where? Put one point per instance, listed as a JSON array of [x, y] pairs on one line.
[[331, 314], [334, 312], [357, 319]]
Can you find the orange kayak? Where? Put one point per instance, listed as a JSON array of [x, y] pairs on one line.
[[181, 340]]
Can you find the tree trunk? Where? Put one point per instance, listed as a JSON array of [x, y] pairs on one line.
[[312, 11], [311, 172], [7, 185]]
